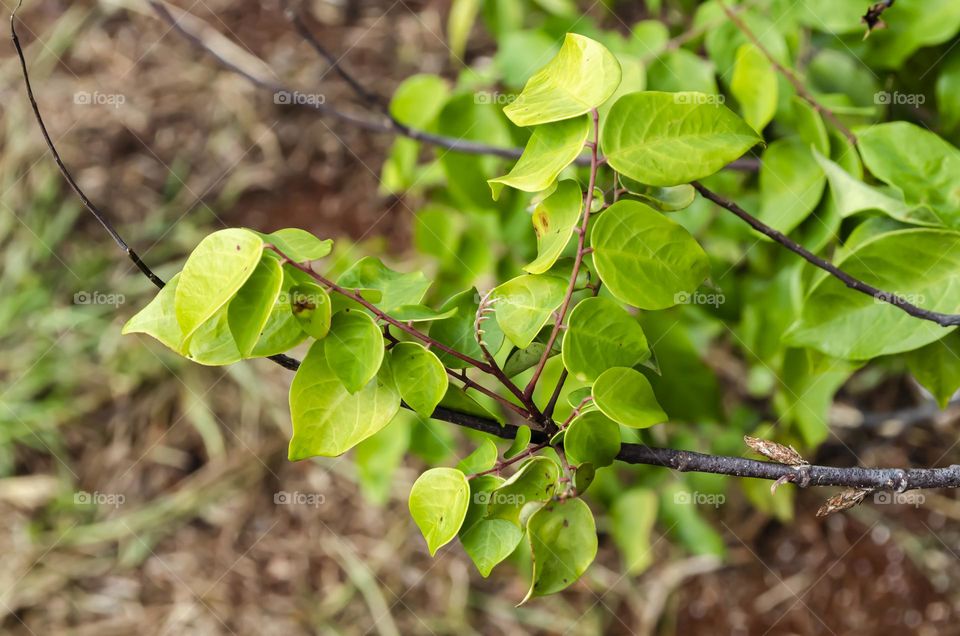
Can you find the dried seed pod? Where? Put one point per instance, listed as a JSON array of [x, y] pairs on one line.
[[843, 500], [774, 451]]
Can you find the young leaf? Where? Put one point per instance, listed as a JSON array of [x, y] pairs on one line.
[[644, 258], [754, 84], [489, 542], [250, 309], [354, 348], [328, 420], [312, 308], [420, 377], [554, 221], [563, 541], [601, 334], [158, 319], [551, 148], [592, 438], [632, 518], [581, 76], [481, 459], [397, 289], [520, 442], [666, 139], [298, 245], [282, 331], [625, 396], [920, 265], [525, 304], [214, 272], [668, 199], [438, 504]]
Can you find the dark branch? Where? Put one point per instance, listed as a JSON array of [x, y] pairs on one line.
[[944, 320]]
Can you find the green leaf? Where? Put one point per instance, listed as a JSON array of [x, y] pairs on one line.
[[520, 360], [520, 442], [312, 308], [158, 319], [922, 165], [456, 399], [683, 520], [525, 304], [282, 331], [250, 309], [397, 289], [910, 26], [212, 343], [354, 348], [754, 84], [420, 376], [463, 13], [214, 272], [378, 457], [592, 438], [681, 70], [600, 334], [481, 459], [420, 313], [583, 477], [536, 481], [438, 504], [791, 184], [922, 266], [563, 540], [644, 258], [328, 420], [551, 148], [632, 517], [418, 99], [853, 196], [948, 91], [625, 396], [298, 245], [670, 199], [458, 332], [581, 77], [808, 382], [937, 367], [554, 220], [489, 542], [666, 139]]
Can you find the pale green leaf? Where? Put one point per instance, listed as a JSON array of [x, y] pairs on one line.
[[354, 348], [644, 258], [754, 84], [298, 245], [481, 459], [525, 304], [554, 220], [667, 139], [519, 443], [250, 309], [420, 376], [582, 76], [551, 148], [592, 438], [420, 313], [536, 481], [397, 289], [312, 308], [937, 367], [463, 13], [214, 272], [327, 419], [458, 332], [563, 540], [438, 504], [625, 396], [791, 184], [632, 517], [490, 541]]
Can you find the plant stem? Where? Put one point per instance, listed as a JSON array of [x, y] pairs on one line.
[[581, 240]]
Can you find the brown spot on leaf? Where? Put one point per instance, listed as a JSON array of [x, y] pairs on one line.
[[541, 223]]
